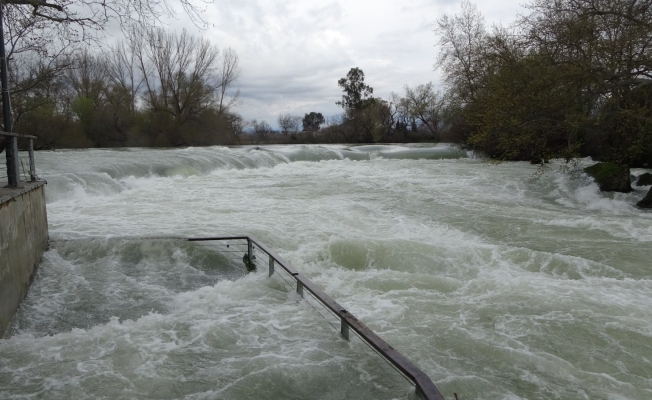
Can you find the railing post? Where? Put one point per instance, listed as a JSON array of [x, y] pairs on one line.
[[300, 288], [11, 149], [32, 167], [11, 143], [344, 329], [271, 265], [249, 258]]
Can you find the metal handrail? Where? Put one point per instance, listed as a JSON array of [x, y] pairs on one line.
[[18, 135], [424, 386], [15, 177]]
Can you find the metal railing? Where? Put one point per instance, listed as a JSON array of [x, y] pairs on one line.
[[14, 163], [424, 387]]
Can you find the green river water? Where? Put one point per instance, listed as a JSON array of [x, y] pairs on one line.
[[496, 283]]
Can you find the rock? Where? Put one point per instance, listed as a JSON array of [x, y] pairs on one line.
[[610, 177], [644, 179], [647, 200], [250, 264]]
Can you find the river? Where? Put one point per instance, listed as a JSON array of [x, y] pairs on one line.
[[498, 282]]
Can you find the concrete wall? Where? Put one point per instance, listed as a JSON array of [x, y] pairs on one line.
[[23, 240]]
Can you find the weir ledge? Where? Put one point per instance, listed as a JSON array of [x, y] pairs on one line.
[[23, 240]]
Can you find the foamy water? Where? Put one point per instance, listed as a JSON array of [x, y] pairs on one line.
[[497, 285]]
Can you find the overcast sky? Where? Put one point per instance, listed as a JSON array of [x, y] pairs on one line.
[[293, 52]]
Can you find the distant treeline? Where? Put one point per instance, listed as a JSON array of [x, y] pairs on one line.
[[416, 117], [157, 88], [154, 88]]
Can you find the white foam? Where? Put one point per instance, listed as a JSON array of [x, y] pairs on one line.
[[492, 282]]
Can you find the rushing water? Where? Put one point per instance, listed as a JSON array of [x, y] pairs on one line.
[[498, 284]]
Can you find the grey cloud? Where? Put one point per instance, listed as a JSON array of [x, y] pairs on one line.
[[293, 52]]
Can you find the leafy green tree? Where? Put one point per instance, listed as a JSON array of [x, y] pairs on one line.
[[608, 48], [525, 112], [356, 92], [571, 78], [357, 102], [311, 122]]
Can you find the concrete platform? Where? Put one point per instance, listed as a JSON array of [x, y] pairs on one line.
[[23, 240], [8, 194]]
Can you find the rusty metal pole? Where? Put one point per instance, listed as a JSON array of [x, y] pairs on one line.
[[11, 143], [32, 165]]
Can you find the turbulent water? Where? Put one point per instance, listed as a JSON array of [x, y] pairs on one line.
[[497, 282]]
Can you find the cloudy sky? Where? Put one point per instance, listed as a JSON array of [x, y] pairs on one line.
[[293, 52]]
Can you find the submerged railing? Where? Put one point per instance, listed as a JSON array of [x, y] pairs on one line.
[[424, 387], [14, 162]]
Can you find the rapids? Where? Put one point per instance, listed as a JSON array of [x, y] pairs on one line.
[[497, 282]]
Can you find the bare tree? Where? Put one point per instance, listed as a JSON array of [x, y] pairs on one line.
[[80, 20], [40, 99], [462, 39], [262, 131], [124, 86], [425, 105], [229, 71], [289, 124], [36, 57], [88, 76], [32, 79], [334, 120], [236, 125], [179, 73], [123, 72]]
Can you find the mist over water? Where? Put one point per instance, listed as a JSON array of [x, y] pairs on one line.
[[497, 284]]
